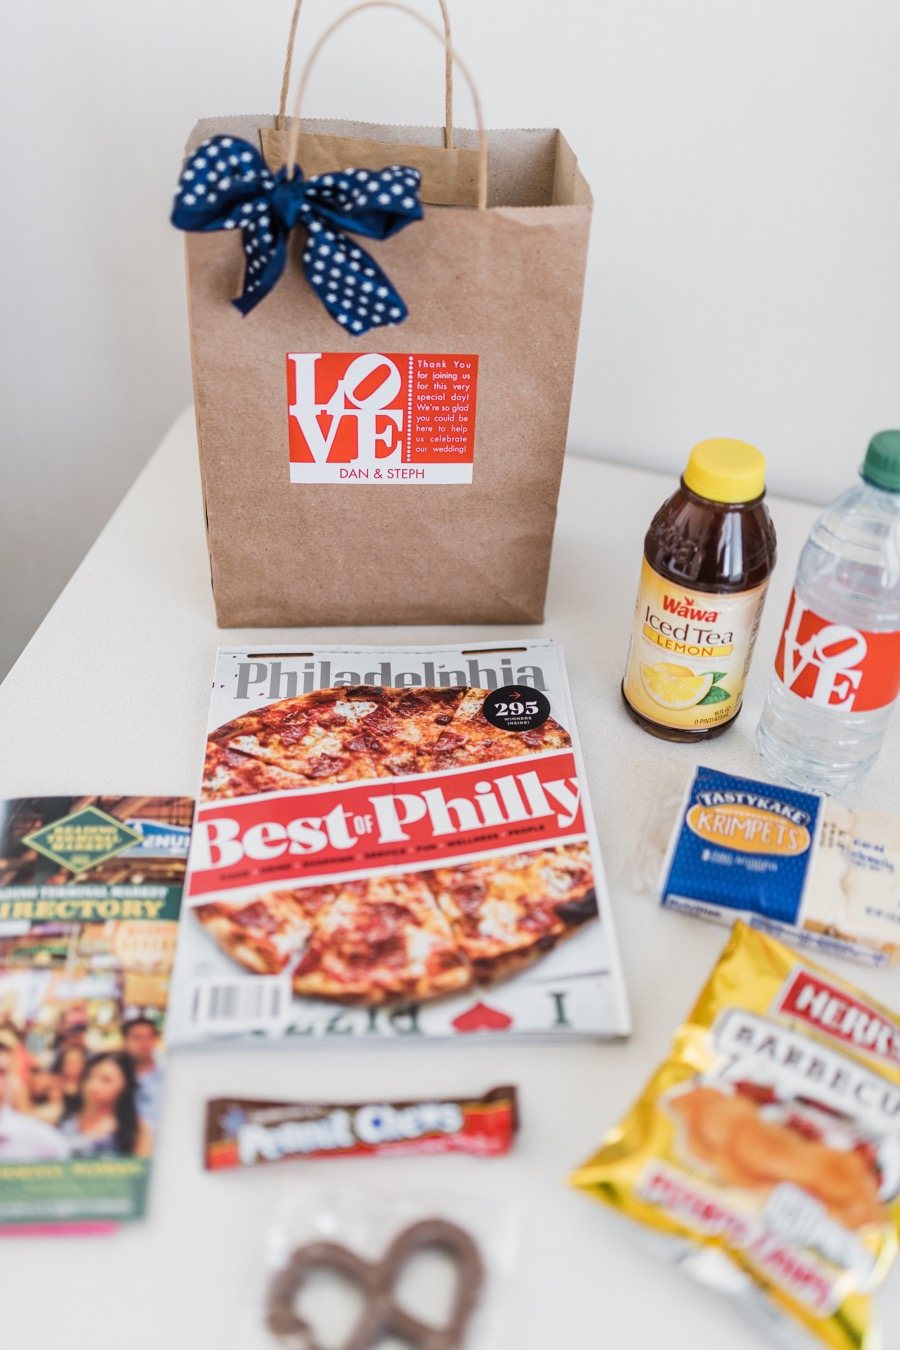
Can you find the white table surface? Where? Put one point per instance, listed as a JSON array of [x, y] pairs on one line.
[[111, 696]]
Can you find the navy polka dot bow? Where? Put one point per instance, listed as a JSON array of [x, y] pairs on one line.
[[227, 185]]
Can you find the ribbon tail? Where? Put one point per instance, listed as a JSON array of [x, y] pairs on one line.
[[356, 292], [265, 256]]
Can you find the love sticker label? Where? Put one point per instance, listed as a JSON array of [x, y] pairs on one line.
[[377, 418]]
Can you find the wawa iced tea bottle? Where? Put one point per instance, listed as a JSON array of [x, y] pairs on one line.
[[708, 555]]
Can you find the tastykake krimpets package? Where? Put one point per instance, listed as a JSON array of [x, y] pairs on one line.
[[767, 1147], [395, 843], [788, 861]]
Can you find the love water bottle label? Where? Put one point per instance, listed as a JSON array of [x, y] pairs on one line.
[[835, 666]]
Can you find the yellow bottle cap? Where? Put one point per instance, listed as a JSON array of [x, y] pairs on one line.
[[724, 470]]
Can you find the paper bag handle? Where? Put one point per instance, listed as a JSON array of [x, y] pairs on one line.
[[294, 132], [448, 72]]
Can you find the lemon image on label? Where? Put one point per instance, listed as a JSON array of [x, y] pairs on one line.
[[674, 686]]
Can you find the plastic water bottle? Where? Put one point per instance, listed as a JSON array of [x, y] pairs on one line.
[[837, 669]]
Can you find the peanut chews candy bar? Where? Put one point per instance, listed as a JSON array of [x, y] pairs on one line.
[[242, 1133], [768, 1145]]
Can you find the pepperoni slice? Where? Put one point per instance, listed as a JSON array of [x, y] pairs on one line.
[[322, 766]]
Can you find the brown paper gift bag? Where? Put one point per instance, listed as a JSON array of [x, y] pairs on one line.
[[419, 485]]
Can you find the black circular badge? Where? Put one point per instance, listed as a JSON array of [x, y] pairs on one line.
[[516, 707]]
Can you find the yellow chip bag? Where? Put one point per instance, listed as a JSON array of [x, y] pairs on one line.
[[768, 1144]]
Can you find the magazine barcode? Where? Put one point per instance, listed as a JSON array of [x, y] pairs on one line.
[[240, 1005]]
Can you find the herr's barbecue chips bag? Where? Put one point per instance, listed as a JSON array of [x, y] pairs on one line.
[[769, 1141]]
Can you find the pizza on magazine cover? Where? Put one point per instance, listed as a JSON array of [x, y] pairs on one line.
[[415, 934], [375, 842]]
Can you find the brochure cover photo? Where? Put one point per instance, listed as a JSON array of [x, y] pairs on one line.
[[90, 890]]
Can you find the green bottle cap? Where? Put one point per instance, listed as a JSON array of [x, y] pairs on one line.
[[881, 465]]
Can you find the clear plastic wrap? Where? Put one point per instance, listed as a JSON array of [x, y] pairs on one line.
[[355, 1270], [663, 811]]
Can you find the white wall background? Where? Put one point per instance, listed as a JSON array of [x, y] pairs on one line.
[[745, 268]]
